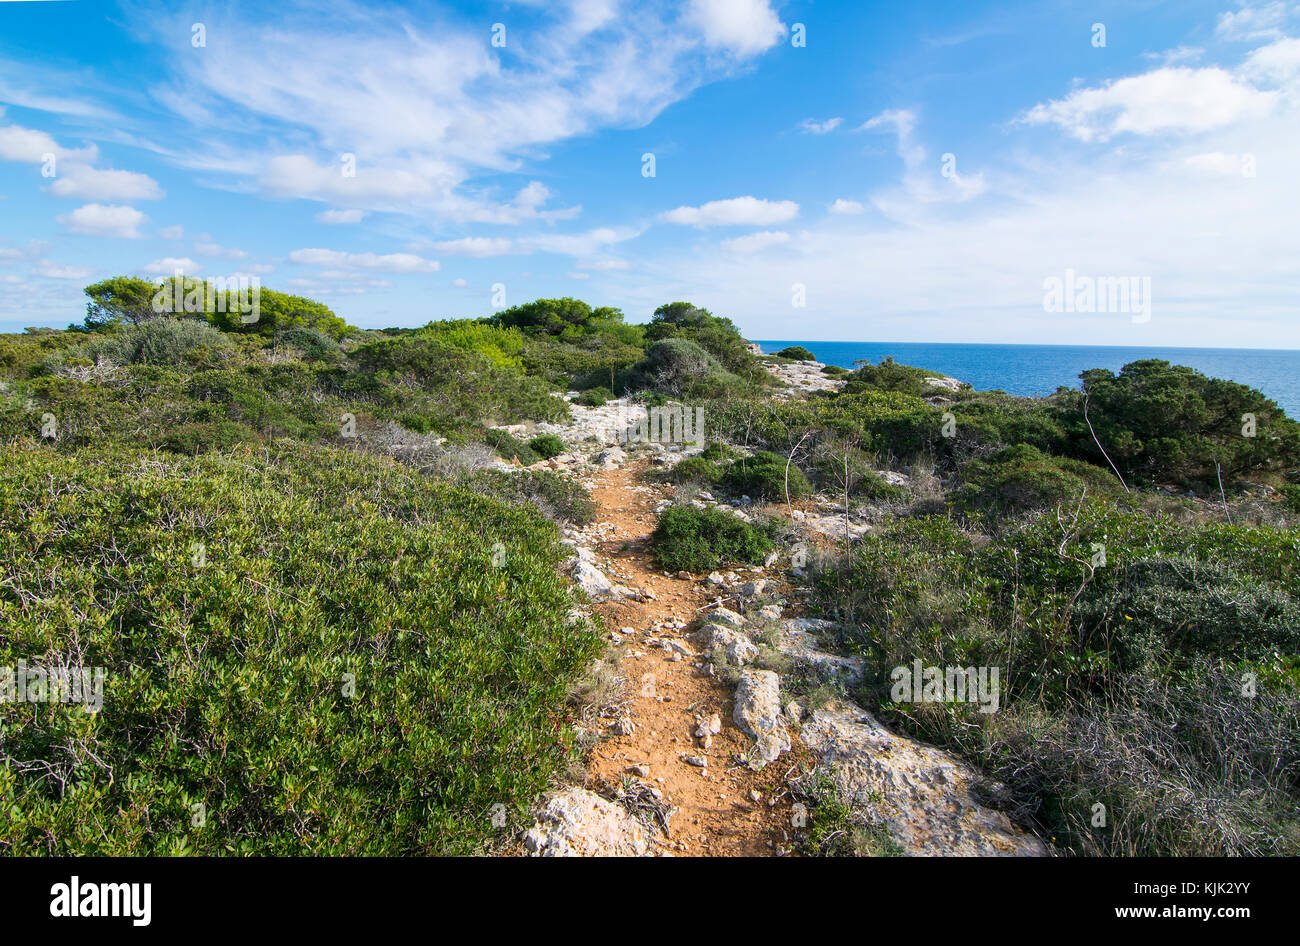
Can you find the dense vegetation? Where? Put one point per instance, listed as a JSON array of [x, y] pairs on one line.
[[309, 647], [1148, 643], [327, 625], [231, 516]]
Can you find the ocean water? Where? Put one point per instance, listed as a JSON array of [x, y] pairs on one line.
[[1031, 370]]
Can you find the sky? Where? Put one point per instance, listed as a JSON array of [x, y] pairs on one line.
[[922, 171]]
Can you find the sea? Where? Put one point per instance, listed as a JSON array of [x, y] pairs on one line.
[[1032, 370]]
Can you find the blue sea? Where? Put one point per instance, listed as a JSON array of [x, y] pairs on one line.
[[1030, 370]]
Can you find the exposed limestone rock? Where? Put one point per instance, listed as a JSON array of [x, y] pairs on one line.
[[579, 823], [798, 640], [728, 616], [610, 459], [758, 713], [802, 377], [945, 382], [921, 793], [593, 581], [739, 649]]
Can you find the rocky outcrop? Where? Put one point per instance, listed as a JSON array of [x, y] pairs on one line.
[[921, 794], [725, 642], [758, 713], [579, 823], [802, 377], [797, 639]]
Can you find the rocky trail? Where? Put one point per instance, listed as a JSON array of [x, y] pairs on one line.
[[690, 761], [677, 733]]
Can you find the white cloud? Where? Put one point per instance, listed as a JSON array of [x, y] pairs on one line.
[[474, 246], [172, 233], [1216, 162], [389, 263], [743, 27], [609, 264], [108, 220], [921, 180], [846, 207], [1252, 22], [56, 271], [445, 107], [171, 265], [590, 243], [756, 242], [813, 127], [460, 283], [205, 247], [1179, 100], [87, 183], [340, 216], [31, 146], [32, 249], [1171, 57], [578, 275], [1277, 63], [737, 211]]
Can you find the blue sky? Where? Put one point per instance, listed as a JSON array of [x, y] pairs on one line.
[[912, 172]]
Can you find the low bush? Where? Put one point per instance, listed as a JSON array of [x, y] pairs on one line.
[[156, 342], [836, 468], [560, 498], [1021, 478], [692, 539], [510, 447], [796, 353], [594, 397], [765, 475], [547, 446], [204, 436], [315, 647]]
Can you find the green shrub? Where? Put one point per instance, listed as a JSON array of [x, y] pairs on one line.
[[1020, 478], [835, 371], [342, 672], [314, 344], [796, 353], [1163, 612], [835, 468], [694, 470], [594, 397], [1290, 493], [1123, 640], [557, 497], [203, 436], [680, 368], [510, 447], [889, 375], [764, 476], [691, 539], [1163, 422], [162, 341], [716, 335], [547, 446]]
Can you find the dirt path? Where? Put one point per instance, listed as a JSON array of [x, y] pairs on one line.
[[716, 811]]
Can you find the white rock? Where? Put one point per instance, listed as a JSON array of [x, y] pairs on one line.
[[579, 823], [593, 581], [740, 650], [921, 793], [758, 712], [727, 615]]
